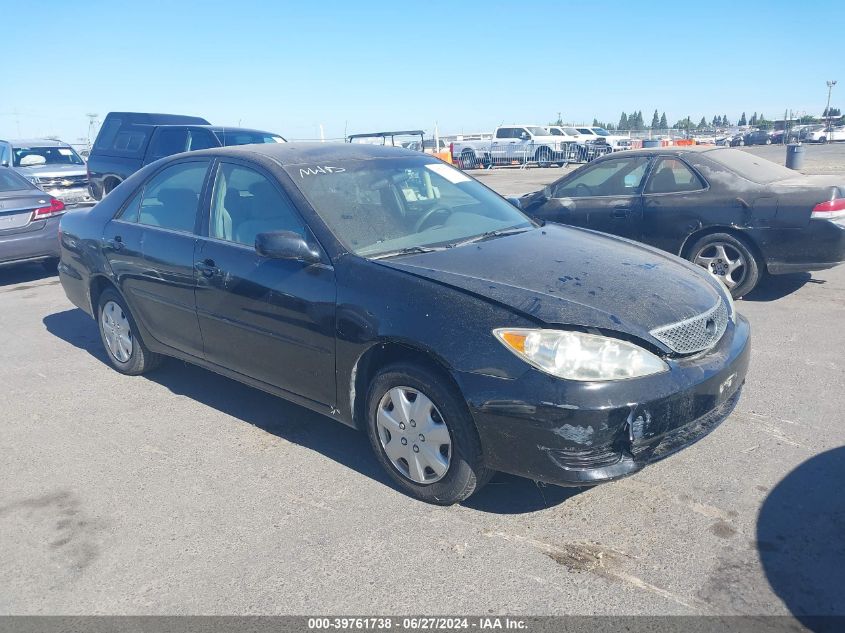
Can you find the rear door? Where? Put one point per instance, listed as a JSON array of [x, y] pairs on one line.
[[150, 246], [269, 319], [604, 196]]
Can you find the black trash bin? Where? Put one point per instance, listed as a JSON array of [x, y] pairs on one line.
[[795, 155], [651, 142]]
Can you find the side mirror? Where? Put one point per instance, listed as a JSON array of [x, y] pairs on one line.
[[524, 136], [514, 201], [285, 245], [547, 192]]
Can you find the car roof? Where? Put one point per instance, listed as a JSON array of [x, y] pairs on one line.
[[40, 142], [229, 128], [315, 153]]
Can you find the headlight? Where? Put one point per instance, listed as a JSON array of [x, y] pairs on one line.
[[579, 356]]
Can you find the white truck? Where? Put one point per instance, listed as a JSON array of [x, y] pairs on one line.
[[511, 144], [616, 142]]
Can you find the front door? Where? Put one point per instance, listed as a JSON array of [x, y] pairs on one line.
[[604, 197], [269, 319]]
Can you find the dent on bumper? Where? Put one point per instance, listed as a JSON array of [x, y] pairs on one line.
[[577, 434]]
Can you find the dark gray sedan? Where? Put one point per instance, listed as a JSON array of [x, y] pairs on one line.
[[29, 222]]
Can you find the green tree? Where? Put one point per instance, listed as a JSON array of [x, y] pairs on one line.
[[655, 120], [725, 121], [664, 124], [623, 122], [702, 125], [742, 120]]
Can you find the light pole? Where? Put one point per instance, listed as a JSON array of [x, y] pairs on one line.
[[830, 85]]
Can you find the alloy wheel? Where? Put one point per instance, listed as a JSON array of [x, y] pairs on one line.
[[116, 331], [414, 435], [724, 261]]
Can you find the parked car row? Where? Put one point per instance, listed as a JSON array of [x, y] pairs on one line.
[[544, 145], [41, 178]]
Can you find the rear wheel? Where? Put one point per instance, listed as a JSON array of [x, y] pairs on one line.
[[125, 350], [729, 259], [423, 435]]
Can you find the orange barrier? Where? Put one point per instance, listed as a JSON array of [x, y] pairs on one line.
[[446, 157], [685, 141]]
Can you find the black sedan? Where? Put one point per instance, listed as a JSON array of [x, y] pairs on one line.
[[726, 210], [757, 137], [29, 222], [390, 291]]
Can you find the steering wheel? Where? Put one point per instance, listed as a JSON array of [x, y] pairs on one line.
[[428, 215], [583, 190]]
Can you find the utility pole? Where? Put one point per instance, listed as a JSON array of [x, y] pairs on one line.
[[830, 85], [92, 122]]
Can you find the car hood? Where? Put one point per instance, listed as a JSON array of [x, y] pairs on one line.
[[53, 171], [559, 275]]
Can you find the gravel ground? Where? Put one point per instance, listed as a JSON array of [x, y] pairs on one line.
[[184, 492]]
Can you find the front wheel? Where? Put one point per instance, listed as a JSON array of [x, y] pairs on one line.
[[728, 259], [768, 141], [124, 348], [423, 435]]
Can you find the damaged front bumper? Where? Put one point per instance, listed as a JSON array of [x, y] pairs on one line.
[[582, 433]]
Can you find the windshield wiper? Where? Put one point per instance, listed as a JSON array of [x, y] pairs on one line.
[[407, 251], [489, 235]]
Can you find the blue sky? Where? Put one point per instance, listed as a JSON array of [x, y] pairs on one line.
[[369, 65]]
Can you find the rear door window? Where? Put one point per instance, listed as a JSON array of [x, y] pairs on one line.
[[201, 139], [171, 197]]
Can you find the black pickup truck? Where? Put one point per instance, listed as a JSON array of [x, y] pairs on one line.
[[129, 140]]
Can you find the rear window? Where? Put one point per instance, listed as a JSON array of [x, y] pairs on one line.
[[10, 181], [115, 138], [750, 167]]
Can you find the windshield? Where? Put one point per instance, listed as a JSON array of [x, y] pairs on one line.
[[377, 207], [10, 181], [245, 137], [601, 131], [538, 131], [750, 167], [51, 155]]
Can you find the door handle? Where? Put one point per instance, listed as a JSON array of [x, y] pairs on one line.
[[116, 242], [620, 212], [207, 268]]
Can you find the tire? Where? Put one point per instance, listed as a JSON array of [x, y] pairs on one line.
[[719, 253], [131, 358], [822, 139], [469, 160], [768, 141], [543, 157], [741, 142], [462, 469]]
